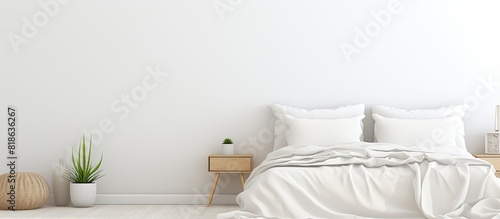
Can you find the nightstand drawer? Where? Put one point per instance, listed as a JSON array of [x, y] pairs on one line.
[[494, 159], [230, 163]]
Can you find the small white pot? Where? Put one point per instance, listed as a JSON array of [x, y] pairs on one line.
[[83, 194], [227, 149]]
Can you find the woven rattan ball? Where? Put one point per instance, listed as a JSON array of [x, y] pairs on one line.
[[31, 191]]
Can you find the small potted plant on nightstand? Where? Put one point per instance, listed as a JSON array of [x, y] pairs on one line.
[[83, 174], [227, 146]]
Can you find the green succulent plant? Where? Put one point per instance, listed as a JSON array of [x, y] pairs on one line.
[[227, 141], [83, 171]]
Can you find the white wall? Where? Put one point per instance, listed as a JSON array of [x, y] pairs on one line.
[[223, 74]]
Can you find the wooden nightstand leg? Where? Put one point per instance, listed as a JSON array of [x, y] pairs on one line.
[[213, 189], [242, 180]]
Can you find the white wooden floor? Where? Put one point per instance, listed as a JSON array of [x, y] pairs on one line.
[[122, 211]]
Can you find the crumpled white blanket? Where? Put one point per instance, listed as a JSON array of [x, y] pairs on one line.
[[370, 180]]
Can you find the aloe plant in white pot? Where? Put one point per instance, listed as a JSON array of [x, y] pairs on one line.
[[227, 146], [82, 175]]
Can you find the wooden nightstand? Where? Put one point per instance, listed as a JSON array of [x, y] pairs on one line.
[[238, 163], [491, 158]]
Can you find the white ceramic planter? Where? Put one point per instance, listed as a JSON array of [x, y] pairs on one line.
[[83, 194], [227, 149]]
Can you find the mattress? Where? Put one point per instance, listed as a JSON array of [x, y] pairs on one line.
[[370, 180]]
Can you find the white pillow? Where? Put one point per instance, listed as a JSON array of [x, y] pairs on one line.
[[281, 110], [303, 131], [391, 112], [442, 112], [419, 132]]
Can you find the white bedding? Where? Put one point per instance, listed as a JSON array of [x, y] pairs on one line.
[[370, 180]]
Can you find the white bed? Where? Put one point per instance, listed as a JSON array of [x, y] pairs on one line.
[[320, 168], [370, 180]]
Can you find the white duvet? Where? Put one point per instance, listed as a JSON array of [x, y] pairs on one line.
[[370, 180]]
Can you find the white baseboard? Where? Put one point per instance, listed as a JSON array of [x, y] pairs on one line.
[[160, 199]]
